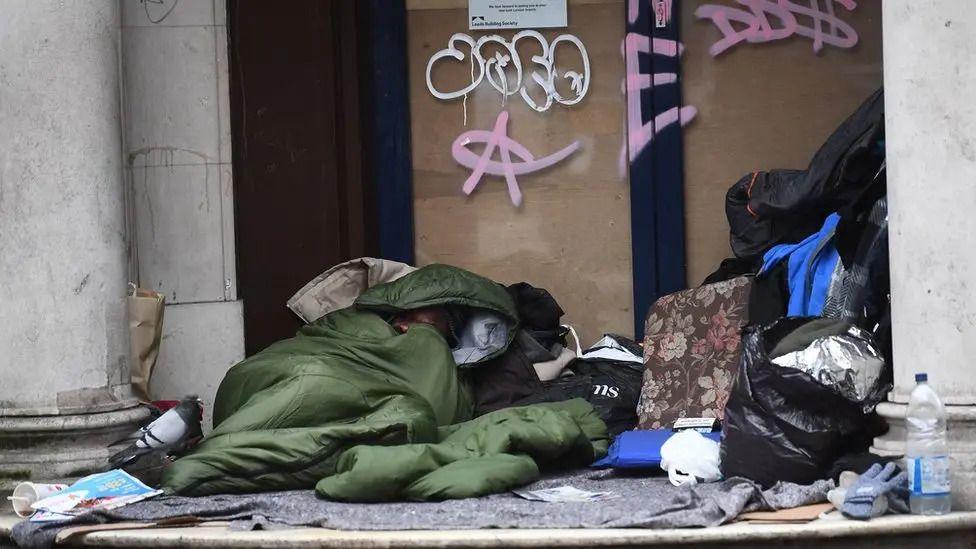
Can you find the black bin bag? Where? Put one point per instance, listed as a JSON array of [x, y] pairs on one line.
[[782, 423]]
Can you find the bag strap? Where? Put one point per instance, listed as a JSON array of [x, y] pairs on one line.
[[572, 331]]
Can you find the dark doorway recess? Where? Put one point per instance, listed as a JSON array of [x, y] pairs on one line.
[[303, 195]]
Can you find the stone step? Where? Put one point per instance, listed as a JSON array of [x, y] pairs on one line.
[[956, 530]]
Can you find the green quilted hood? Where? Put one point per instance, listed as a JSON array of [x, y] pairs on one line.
[[483, 301], [436, 285]]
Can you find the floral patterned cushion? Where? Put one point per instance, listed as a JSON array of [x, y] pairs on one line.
[[691, 352]]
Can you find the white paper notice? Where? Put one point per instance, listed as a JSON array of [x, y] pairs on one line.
[[516, 14], [563, 494]]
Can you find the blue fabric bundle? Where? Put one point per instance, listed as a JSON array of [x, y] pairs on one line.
[[810, 266], [640, 449]]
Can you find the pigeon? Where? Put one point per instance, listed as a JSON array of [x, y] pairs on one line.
[[171, 432]]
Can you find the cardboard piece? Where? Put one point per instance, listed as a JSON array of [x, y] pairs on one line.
[[72, 532], [802, 514]]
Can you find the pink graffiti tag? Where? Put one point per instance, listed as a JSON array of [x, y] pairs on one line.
[[483, 164], [640, 133], [758, 27]]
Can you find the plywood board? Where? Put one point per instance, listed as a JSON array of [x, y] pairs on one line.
[[572, 233], [761, 106]]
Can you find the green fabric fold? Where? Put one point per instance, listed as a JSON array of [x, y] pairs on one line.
[[493, 453]]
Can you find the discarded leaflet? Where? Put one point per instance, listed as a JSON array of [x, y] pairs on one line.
[[563, 494], [109, 490]]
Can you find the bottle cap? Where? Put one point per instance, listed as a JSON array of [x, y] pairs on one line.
[[921, 377]]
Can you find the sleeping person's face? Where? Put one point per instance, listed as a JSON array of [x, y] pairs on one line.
[[432, 316]]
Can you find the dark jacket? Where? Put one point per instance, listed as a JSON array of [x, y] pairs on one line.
[[766, 208]]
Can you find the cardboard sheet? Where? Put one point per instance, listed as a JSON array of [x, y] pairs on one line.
[[805, 513]]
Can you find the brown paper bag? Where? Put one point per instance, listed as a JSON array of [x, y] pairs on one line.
[[145, 332]]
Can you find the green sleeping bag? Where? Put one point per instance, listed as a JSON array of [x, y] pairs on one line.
[[314, 409]]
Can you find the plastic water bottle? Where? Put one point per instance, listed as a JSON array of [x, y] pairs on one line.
[[927, 451]]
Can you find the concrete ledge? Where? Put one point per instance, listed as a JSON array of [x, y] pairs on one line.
[[61, 448], [954, 530]]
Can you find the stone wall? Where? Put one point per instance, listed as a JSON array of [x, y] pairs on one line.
[[177, 158]]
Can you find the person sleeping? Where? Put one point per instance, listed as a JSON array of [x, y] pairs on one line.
[[431, 316], [383, 371], [371, 403]]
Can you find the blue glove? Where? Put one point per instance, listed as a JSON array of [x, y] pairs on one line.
[[874, 483]]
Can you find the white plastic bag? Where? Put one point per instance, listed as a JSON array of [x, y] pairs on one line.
[[689, 457]]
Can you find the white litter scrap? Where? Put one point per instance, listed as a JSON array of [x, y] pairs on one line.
[[563, 494]]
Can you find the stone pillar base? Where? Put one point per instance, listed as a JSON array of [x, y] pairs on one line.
[[61, 448], [961, 424]]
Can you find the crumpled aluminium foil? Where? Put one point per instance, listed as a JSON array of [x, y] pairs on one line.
[[848, 362]]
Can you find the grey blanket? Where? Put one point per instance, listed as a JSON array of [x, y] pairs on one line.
[[640, 502]]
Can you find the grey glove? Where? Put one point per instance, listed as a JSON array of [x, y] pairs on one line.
[[873, 484]]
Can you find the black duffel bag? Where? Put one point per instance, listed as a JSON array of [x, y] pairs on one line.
[[612, 386], [783, 424]]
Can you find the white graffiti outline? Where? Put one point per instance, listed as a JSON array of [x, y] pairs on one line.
[[493, 69]]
